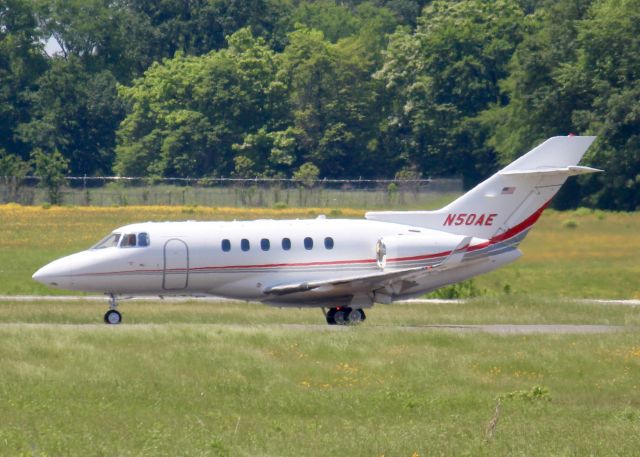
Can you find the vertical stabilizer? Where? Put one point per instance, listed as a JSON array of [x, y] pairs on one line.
[[510, 201]]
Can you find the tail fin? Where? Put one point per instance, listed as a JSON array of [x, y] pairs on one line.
[[510, 201]]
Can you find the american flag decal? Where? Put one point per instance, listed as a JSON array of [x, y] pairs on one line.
[[508, 190]]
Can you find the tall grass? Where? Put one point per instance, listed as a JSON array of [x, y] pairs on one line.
[[255, 390]]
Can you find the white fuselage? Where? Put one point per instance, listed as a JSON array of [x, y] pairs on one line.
[[242, 259]]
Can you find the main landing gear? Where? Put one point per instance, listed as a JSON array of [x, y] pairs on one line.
[[345, 316], [112, 317]]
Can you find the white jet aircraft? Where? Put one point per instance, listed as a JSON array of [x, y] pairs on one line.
[[343, 265]]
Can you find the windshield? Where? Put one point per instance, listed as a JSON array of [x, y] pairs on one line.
[[109, 242]]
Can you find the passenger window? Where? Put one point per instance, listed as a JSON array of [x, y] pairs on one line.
[[286, 244], [143, 239], [128, 240], [328, 242], [308, 243], [265, 244], [245, 245], [226, 245]]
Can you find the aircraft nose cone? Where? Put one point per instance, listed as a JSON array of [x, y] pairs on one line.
[[54, 274]]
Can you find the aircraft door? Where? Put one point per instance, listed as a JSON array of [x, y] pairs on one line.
[[176, 265]]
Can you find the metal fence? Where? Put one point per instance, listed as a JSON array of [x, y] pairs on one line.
[[234, 192]]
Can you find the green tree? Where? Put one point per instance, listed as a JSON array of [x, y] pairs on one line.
[[189, 114], [334, 100], [535, 103], [577, 71], [22, 61], [13, 171], [607, 77], [76, 113], [51, 168], [307, 174], [441, 76], [334, 20], [270, 154]]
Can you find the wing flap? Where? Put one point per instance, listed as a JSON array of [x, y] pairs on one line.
[[388, 280], [286, 289]]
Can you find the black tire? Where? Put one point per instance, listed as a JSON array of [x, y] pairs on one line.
[[330, 316], [340, 316], [112, 317], [355, 316]]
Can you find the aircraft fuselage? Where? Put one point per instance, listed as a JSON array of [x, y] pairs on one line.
[[241, 259]]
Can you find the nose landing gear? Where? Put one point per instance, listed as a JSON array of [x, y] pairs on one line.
[[112, 317], [345, 316]]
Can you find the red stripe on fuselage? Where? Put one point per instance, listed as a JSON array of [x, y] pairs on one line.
[[513, 231]]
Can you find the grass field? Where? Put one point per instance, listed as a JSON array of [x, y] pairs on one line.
[[195, 379], [581, 254], [200, 378]]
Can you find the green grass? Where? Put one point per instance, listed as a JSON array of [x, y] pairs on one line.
[[240, 388], [596, 258], [481, 310]]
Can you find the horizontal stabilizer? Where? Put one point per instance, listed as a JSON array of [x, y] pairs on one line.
[[567, 171]]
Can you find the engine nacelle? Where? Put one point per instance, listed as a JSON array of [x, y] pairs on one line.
[[406, 251]]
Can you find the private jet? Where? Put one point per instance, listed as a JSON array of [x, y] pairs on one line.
[[342, 266]]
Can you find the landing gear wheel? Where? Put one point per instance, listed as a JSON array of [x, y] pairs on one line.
[[354, 316], [112, 317], [345, 316], [330, 316], [337, 316], [340, 316]]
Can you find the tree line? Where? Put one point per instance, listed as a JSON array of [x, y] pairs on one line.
[[294, 88]]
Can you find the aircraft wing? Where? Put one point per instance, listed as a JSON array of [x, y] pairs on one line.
[[386, 283]]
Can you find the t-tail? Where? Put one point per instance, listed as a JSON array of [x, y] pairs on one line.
[[506, 205]]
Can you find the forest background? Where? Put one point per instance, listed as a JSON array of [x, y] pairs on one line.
[[293, 88]]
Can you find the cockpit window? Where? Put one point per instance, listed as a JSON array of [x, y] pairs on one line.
[[128, 240], [143, 239], [109, 242], [131, 240]]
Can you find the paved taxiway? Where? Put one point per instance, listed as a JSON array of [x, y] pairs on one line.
[[498, 329], [30, 298]]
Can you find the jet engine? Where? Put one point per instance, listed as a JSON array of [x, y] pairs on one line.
[[405, 251]]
